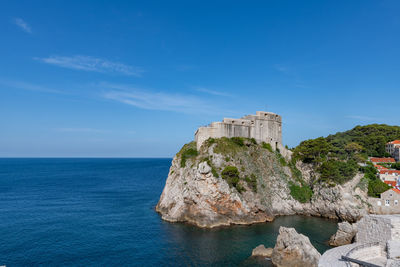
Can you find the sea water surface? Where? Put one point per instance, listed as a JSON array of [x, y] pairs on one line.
[[100, 212]]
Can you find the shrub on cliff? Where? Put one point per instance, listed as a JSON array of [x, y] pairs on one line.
[[313, 150], [231, 175], [252, 182], [188, 151], [337, 171], [302, 194], [267, 146], [375, 185]]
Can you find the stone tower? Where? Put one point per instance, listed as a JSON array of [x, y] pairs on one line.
[[263, 127]]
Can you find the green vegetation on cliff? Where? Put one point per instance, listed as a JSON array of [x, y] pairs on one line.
[[188, 151], [232, 176], [335, 157], [375, 185], [302, 194]]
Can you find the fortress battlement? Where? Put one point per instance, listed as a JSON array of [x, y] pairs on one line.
[[263, 127]]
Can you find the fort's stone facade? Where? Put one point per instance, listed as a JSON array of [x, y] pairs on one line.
[[263, 127]]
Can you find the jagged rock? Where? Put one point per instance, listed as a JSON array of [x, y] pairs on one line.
[[344, 235], [294, 250], [261, 251], [204, 168]]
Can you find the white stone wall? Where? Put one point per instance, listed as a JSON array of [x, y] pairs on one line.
[[263, 127], [388, 177], [378, 228], [379, 206]]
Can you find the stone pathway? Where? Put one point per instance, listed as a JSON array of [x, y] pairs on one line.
[[332, 257]]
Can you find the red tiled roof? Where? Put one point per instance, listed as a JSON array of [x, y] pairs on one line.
[[383, 160], [392, 183], [395, 142], [379, 167], [396, 190], [389, 172]]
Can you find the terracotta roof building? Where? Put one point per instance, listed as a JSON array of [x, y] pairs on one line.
[[382, 160], [393, 148]]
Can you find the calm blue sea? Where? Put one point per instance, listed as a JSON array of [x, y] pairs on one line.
[[100, 212]]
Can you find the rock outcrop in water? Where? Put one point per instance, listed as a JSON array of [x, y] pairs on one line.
[[237, 181], [344, 235], [262, 251], [294, 250]]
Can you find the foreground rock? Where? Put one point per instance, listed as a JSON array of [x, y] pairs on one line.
[[196, 191], [344, 235], [294, 250], [261, 251]]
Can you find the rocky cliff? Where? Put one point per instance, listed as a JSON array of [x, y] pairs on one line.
[[237, 181]]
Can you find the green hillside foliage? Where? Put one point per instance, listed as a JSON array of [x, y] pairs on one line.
[[372, 138], [335, 157]]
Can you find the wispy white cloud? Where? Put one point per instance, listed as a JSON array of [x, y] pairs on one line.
[[159, 101], [88, 63], [22, 24], [362, 118], [28, 86], [212, 92], [81, 130]]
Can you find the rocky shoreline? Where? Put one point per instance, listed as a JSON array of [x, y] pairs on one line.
[[196, 192]]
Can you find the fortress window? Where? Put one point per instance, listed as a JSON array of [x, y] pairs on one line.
[[233, 121]]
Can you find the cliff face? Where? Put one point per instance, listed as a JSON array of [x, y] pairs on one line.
[[240, 182]]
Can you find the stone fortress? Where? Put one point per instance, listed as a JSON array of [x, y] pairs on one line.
[[263, 127]]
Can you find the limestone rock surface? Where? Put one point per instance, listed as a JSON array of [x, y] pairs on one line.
[[344, 235], [294, 250], [195, 192], [262, 251]]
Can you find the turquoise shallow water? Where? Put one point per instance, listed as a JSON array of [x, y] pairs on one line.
[[100, 212]]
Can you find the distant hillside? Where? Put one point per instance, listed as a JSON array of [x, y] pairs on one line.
[[335, 157], [372, 138]]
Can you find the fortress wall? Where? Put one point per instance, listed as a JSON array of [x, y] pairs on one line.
[[263, 127], [378, 228]]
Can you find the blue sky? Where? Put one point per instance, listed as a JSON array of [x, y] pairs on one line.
[[137, 78]]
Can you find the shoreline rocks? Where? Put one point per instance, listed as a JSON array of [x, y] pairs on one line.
[[261, 251], [294, 250], [345, 234]]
